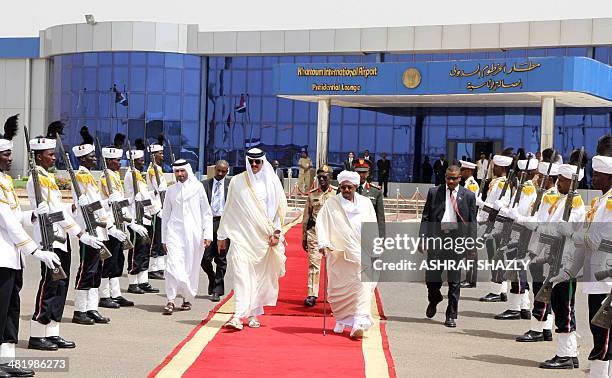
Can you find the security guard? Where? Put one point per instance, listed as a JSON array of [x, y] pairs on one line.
[[468, 181], [315, 200], [372, 192]]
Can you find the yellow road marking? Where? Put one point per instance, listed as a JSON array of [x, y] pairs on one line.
[[193, 348]]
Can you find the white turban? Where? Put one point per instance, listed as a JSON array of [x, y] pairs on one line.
[[350, 176], [602, 164], [567, 170], [502, 161], [543, 168], [533, 164]]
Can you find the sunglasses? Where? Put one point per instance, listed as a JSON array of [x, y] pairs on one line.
[[322, 177], [453, 178], [255, 161]]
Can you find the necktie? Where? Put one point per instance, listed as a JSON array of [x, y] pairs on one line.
[[454, 203], [216, 201]]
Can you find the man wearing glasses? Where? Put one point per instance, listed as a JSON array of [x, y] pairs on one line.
[[314, 203], [253, 218], [450, 212]]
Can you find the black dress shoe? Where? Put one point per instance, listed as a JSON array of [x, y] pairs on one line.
[[3, 374], [108, 303], [61, 342], [450, 323], [80, 317], [509, 315], [310, 301], [147, 288], [97, 317], [15, 371], [215, 297], [558, 363], [525, 314], [493, 298], [467, 285], [547, 335], [156, 275], [41, 343], [503, 297], [123, 302], [530, 337], [431, 309], [135, 289]]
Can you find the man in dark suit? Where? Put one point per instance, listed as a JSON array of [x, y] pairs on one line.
[[372, 192], [384, 171], [450, 212], [439, 169], [349, 162], [216, 191]]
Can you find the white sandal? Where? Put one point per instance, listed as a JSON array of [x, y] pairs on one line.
[[254, 323], [234, 323]]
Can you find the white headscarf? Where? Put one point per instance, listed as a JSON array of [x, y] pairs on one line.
[[191, 186], [350, 176], [269, 178]]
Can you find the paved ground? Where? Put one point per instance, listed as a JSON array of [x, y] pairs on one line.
[[139, 338]]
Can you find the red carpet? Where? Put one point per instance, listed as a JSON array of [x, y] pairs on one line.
[[290, 341]]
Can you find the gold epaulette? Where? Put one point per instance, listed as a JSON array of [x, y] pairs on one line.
[[551, 198], [609, 204], [577, 201], [501, 183], [473, 188], [86, 178], [528, 190], [47, 183]]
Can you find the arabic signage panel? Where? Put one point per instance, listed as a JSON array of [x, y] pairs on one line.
[[453, 77]]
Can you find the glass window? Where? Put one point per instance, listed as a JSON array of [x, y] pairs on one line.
[[350, 135], [105, 59], [174, 60], [155, 59], [90, 59], [191, 108], [119, 58], [191, 82], [190, 134], [120, 76], [137, 106], [155, 79], [138, 58], [269, 110], [172, 107], [350, 115], [136, 129], [90, 79], [155, 109], [601, 53], [192, 61], [300, 136], [300, 111], [367, 138], [89, 104], [239, 82], [335, 139], [254, 108], [285, 111], [77, 60], [105, 78], [137, 79], [254, 81], [577, 51], [75, 80], [174, 80]]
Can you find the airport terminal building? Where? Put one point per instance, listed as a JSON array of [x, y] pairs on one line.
[[410, 92]]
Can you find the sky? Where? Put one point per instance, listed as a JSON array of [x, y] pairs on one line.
[[25, 18]]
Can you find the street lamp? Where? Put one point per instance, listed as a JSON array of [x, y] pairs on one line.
[[89, 18]]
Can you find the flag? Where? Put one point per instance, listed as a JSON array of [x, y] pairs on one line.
[[241, 108], [120, 97]]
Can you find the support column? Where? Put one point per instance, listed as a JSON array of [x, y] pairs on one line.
[[323, 131], [547, 128]]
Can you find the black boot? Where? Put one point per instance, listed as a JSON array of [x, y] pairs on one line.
[[81, 317], [97, 317], [525, 314], [61, 342], [108, 303], [558, 363], [41, 343], [547, 335], [147, 288], [134, 289]]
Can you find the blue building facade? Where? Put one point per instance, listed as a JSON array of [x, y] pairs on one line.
[[215, 107]]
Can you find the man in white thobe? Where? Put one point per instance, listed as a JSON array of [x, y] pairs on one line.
[[339, 238], [186, 232], [252, 219]]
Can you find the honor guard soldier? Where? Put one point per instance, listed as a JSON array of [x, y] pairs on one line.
[[89, 274], [563, 293], [469, 182], [51, 295], [157, 186], [501, 165], [519, 301], [138, 257], [315, 200], [112, 268], [14, 243], [540, 328], [372, 192]]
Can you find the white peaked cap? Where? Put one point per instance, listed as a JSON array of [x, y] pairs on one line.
[[502, 161], [602, 164], [467, 164], [112, 153]]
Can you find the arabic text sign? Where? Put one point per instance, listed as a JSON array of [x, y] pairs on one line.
[[491, 71]]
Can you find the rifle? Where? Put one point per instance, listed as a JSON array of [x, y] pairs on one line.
[[508, 222], [162, 193], [603, 317], [557, 244], [116, 207], [492, 212], [138, 205], [542, 187], [87, 211], [45, 221]]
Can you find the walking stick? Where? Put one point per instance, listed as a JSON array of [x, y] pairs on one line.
[[325, 295]]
